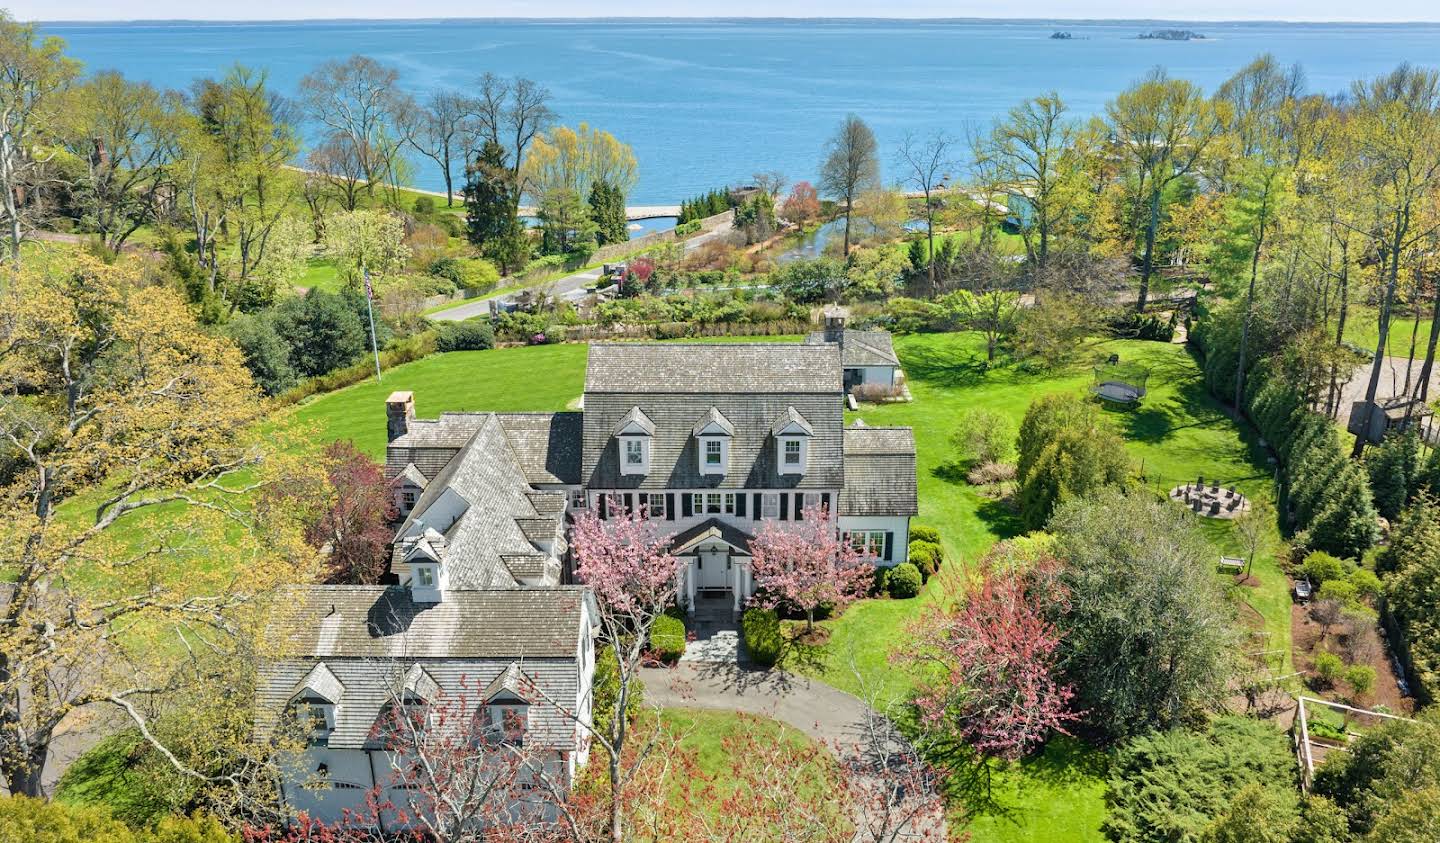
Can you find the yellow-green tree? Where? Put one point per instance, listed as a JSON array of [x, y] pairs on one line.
[[126, 540], [574, 159]]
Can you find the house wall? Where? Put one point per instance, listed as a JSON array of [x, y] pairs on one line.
[[898, 525], [350, 778], [875, 374]]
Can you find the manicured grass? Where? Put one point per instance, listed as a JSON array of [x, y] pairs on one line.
[[1177, 434], [321, 274], [540, 377], [1362, 328]]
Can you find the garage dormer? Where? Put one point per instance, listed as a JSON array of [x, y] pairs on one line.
[[633, 436], [712, 437], [792, 435]]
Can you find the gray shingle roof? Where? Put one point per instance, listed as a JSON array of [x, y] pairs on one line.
[[382, 622], [674, 460], [715, 422], [635, 422], [711, 528], [708, 368], [499, 517], [791, 417], [371, 685], [862, 348], [546, 444], [879, 472]]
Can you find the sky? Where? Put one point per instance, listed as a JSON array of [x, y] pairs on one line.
[[1180, 10]]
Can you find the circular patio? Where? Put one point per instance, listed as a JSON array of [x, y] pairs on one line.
[[1212, 500]]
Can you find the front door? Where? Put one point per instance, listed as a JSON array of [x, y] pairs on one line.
[[714, 568]]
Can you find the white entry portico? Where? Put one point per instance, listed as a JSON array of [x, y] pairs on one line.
[[719, 563]]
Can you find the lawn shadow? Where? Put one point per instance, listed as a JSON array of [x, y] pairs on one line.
[[937, 368], [1000, 518], [951, 472]]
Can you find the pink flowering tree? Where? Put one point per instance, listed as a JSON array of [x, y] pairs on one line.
[[807, 563], [626, 561], [994, 652]]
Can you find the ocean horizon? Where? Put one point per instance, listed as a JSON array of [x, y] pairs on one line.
[[706, 102]]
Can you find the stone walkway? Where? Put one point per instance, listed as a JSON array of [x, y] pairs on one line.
[[717, 636]]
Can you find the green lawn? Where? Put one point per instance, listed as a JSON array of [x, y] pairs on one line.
[[1362, 328], [1177, 434], [320, 274]]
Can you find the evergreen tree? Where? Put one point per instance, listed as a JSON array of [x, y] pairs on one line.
[[607, 210], [1345, 522], [488, 192], [565, 223], [1394, 472]]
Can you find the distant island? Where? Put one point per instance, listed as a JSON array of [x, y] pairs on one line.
[[1061, 36], [1171, 35]]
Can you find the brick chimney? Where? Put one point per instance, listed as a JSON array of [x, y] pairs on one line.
[[399, 412]]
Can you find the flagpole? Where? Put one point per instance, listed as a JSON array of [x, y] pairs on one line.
[[370, 310]]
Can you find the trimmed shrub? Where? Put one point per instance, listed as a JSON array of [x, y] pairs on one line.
[[1339, 590], [1321, 567], [469, 335], [667, 638], [424, 206], [1366, 584], [926, 556], [904, 581], [882, 578], [920, 532], [1328, 669], [1360, 678], [761, 628]]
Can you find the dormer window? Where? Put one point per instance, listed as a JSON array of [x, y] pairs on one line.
[[316, 717], [425, 560], [712, 434], [425, 576], [713, 452], [504, 723], [792, 441], [633, 434]]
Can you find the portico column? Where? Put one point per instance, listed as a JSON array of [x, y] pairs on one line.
[[690, 584]]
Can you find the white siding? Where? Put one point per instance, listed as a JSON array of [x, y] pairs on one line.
[[897, 525]]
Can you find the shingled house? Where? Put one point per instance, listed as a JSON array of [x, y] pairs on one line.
[[710, 439], [867, 357]]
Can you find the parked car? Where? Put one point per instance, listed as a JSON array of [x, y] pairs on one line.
[[1303, 589]]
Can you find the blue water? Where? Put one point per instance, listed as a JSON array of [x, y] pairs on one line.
[[707, 103]]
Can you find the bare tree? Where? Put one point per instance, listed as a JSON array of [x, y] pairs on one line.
[[770, 181], [851, 167], [512, 113], [926, 165], [33, 76], [443, 129], [355, 100], [335, 160]]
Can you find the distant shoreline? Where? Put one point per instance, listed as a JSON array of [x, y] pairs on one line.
[[731, 19]]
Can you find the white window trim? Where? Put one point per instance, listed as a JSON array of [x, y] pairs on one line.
[[785, 467], [703, 451], [770, 505], [655, 505], [628, 467]]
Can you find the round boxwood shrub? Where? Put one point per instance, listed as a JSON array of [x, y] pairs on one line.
[[761, 628], [667, 638], [1321, 567], [926, 556], [904, 580], [468, 335], [922, 533]]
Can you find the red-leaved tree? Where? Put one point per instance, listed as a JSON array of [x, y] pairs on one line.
[[626, 561], [349, 510], [802, 205], [995, 686], [807, 563]]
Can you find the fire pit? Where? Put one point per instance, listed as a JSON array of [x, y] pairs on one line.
[[1211, 500]]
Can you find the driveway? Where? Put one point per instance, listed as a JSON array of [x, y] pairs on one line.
[[570, 288]]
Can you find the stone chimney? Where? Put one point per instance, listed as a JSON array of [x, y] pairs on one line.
[[835, 317], [399, 412]]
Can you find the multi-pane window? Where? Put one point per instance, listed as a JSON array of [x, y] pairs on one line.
[[577, 499], [407, 500], [811, 499], [712, 452], [713, 502], [769, 505], [871, 542], [425, 575], [655, 505], [634, 452], [729, 504], [792, 451]]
